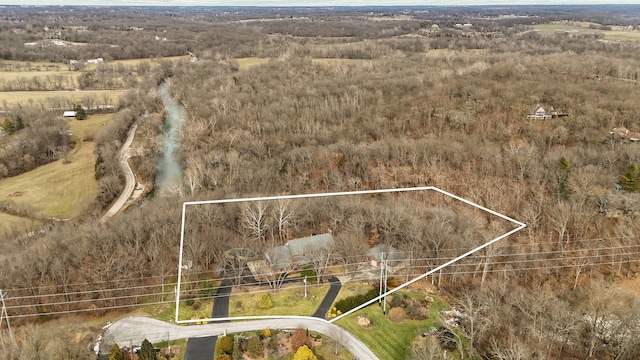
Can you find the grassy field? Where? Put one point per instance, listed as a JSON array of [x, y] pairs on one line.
[[41, 74], [245, 63], [616, 33], [61, 189], [10, 224], [388, 339], [40, 98], [13, 65], [289, 300]]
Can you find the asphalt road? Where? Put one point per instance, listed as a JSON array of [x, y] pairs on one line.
[[133, 330], [130, 178]]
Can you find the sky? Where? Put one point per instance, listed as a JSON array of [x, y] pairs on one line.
[[310, 2]]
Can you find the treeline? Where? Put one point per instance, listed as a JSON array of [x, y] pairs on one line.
[[32, 138], [453, 118]]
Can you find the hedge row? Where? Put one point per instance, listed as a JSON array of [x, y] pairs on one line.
[[351, 302]]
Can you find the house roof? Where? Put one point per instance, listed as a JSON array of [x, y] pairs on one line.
[[69, 114], [282, 256], [393, 256], [310, 244]]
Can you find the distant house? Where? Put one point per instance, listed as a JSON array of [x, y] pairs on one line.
[[394, 258], [625, 134], [95, 61], [540, 114], [299, 252], [69, 114]]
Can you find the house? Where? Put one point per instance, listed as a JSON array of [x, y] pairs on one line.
[[625, 134], [95, 61], [299, 252], [69, 114], [394, 258], [540, 114]]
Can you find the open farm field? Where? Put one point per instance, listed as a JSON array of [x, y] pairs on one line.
[[44, 98], [90, 126], [63, 188], [44, 76], [26, 66], [616, 33], [135, 62]]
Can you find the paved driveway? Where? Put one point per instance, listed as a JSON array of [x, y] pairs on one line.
[[201, 348]]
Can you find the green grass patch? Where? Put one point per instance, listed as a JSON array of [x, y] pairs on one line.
[[388, 339], [289, 300], [199, 309]]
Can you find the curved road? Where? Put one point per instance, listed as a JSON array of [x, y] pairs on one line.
[[133, 330], [130, 179]]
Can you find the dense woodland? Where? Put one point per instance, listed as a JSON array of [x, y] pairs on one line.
[[352, 103]]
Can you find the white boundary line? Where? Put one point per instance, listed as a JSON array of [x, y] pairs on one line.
[[519, 227]]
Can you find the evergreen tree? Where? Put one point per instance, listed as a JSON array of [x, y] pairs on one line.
[[629, 180], [147, 352], [80, 113], [564, 173], [255, 347], [265, 302], [116, 353], [8, 126]]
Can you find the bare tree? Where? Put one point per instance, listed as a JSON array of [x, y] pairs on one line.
[[284, 213], [254, 219]]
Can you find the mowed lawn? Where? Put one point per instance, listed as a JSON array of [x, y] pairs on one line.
[[388, 339], [289, 300], [64, 188]]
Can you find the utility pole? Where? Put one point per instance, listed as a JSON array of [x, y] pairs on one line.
[[386, 279], [305, 286], [381, 277], [4, 315]]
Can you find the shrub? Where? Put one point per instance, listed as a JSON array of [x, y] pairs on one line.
[[266, 333], [254, 346], [304, 353], [397, 300], [265, 301], [299, 338], [207, 289], [224, 357], [309, 273], [225, 345]]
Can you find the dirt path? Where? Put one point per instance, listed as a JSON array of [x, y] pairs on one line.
[[130, 179]]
